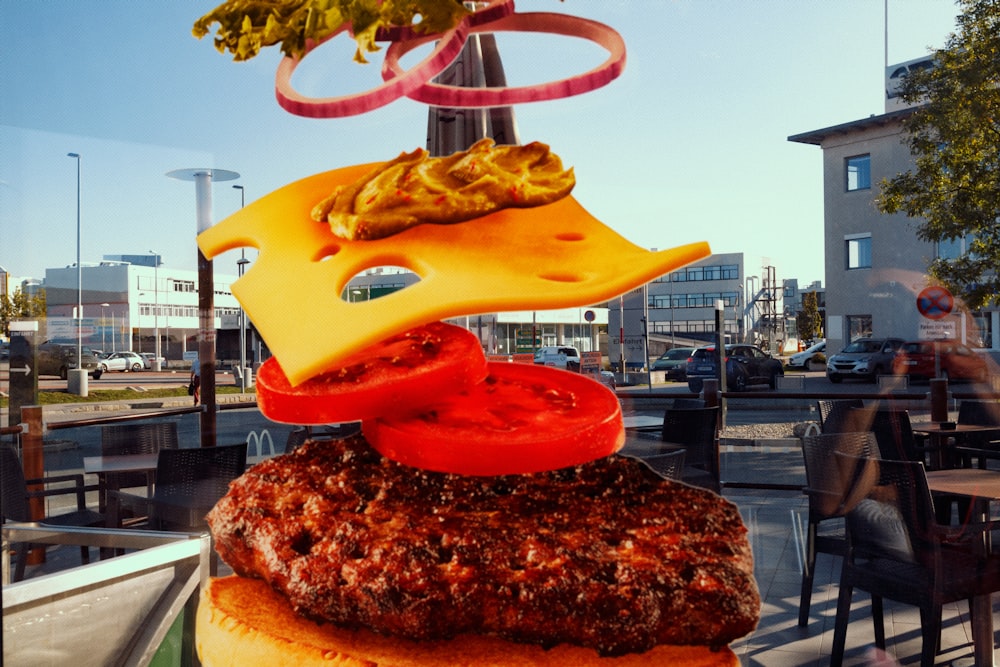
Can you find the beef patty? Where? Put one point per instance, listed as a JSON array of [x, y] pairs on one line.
[[604, 555]]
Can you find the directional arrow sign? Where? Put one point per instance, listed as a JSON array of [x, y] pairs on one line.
[[26, 370]]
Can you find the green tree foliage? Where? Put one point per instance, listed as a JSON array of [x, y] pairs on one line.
[[954, 137], [20, 306], [808, 320]]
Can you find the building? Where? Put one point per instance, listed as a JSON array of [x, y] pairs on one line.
[[680, 309], [126, 305], [875, 264]]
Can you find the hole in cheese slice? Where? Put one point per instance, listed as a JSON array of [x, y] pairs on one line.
[[552, 256]]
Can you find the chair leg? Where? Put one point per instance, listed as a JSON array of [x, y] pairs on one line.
[[878, 619], [930, 622], [85, 555], [840, 628], [808, 575]]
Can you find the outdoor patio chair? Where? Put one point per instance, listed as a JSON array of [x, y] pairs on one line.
[[667, 463], [16, 497], [898, 551], [828, 484], [696, 430], [833, 409], [981, 447], [189, 482], [127, 439]]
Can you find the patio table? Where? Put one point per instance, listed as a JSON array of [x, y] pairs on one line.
[[982, 486]]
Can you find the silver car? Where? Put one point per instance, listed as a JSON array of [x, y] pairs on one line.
[[863, 359]]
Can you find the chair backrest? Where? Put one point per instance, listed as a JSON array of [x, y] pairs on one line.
[[127, 439], [697, 430], [834, 409], [894, 434], [895, 519], [688, 403], [829, 482], [980, 413], [201, 473], [147, 438], [669, 465], [14, 492], [891, 427]]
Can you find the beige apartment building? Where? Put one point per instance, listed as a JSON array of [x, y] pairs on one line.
[[875, 265]]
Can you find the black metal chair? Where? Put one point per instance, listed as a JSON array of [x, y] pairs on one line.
[[188, 484], [898, 551], [16, 497], [696, 430], [981, 447], [128, 439], [828, 486], [668, 463], [833, 410]]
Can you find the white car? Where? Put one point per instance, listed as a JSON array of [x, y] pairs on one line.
[[148, 357], [121, 361], [804, 358]]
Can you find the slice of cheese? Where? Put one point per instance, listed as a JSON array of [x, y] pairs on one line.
[[552, 256]]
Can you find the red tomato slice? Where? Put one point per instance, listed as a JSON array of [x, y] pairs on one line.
[[520, 419], [403, 372]]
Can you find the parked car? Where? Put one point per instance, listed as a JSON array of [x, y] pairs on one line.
[[673, 363], [607, 378], [955, 361], [804, 358], [121, 361], [863, 359], [58, 358], [149, 357], [745, 365], [560, 356]]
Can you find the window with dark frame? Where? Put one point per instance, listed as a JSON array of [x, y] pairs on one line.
[[858, 251], [859, 173]]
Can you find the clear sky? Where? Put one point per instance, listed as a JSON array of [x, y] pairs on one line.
[[689, 144]]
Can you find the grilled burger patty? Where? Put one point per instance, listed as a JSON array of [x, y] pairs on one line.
[[604, 555]]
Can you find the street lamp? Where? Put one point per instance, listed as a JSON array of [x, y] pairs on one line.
[[156, 310], [203, 178], [138, 319], [78, 376], [103, 346], [240, 268]]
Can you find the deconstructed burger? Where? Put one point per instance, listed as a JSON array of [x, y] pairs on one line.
[[481, 516], [480, 513]]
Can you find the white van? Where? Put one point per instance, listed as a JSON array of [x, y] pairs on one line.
[[560, 356]]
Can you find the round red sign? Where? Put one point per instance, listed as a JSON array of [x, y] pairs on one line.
[[935, 302]]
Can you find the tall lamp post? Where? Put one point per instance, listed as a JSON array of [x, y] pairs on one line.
[[156, 310], [103, 327], [203, 178], [245, 380], [78, 376]]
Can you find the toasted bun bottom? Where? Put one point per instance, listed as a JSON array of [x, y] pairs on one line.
[[244, 622]]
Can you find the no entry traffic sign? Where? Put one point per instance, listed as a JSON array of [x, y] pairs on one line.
[[935, 302]]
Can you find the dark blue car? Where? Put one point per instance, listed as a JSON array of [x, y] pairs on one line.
[[745, 365]]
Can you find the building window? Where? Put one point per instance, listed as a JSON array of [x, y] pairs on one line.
[[859, 251], [859, 173], [858, 326]]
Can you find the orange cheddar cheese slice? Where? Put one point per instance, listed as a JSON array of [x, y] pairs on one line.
[[551, 256]]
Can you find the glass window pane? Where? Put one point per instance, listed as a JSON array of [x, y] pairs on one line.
[[859, 175]]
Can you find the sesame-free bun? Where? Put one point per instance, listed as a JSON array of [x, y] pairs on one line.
[[242, 621]]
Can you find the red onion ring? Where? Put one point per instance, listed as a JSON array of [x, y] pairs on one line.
[[448, 47], [560, 24]]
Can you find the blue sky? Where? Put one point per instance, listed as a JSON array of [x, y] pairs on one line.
[[689, 144]]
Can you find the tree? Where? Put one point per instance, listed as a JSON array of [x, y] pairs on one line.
[[808, 320], [954, 137], [20, 305]]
